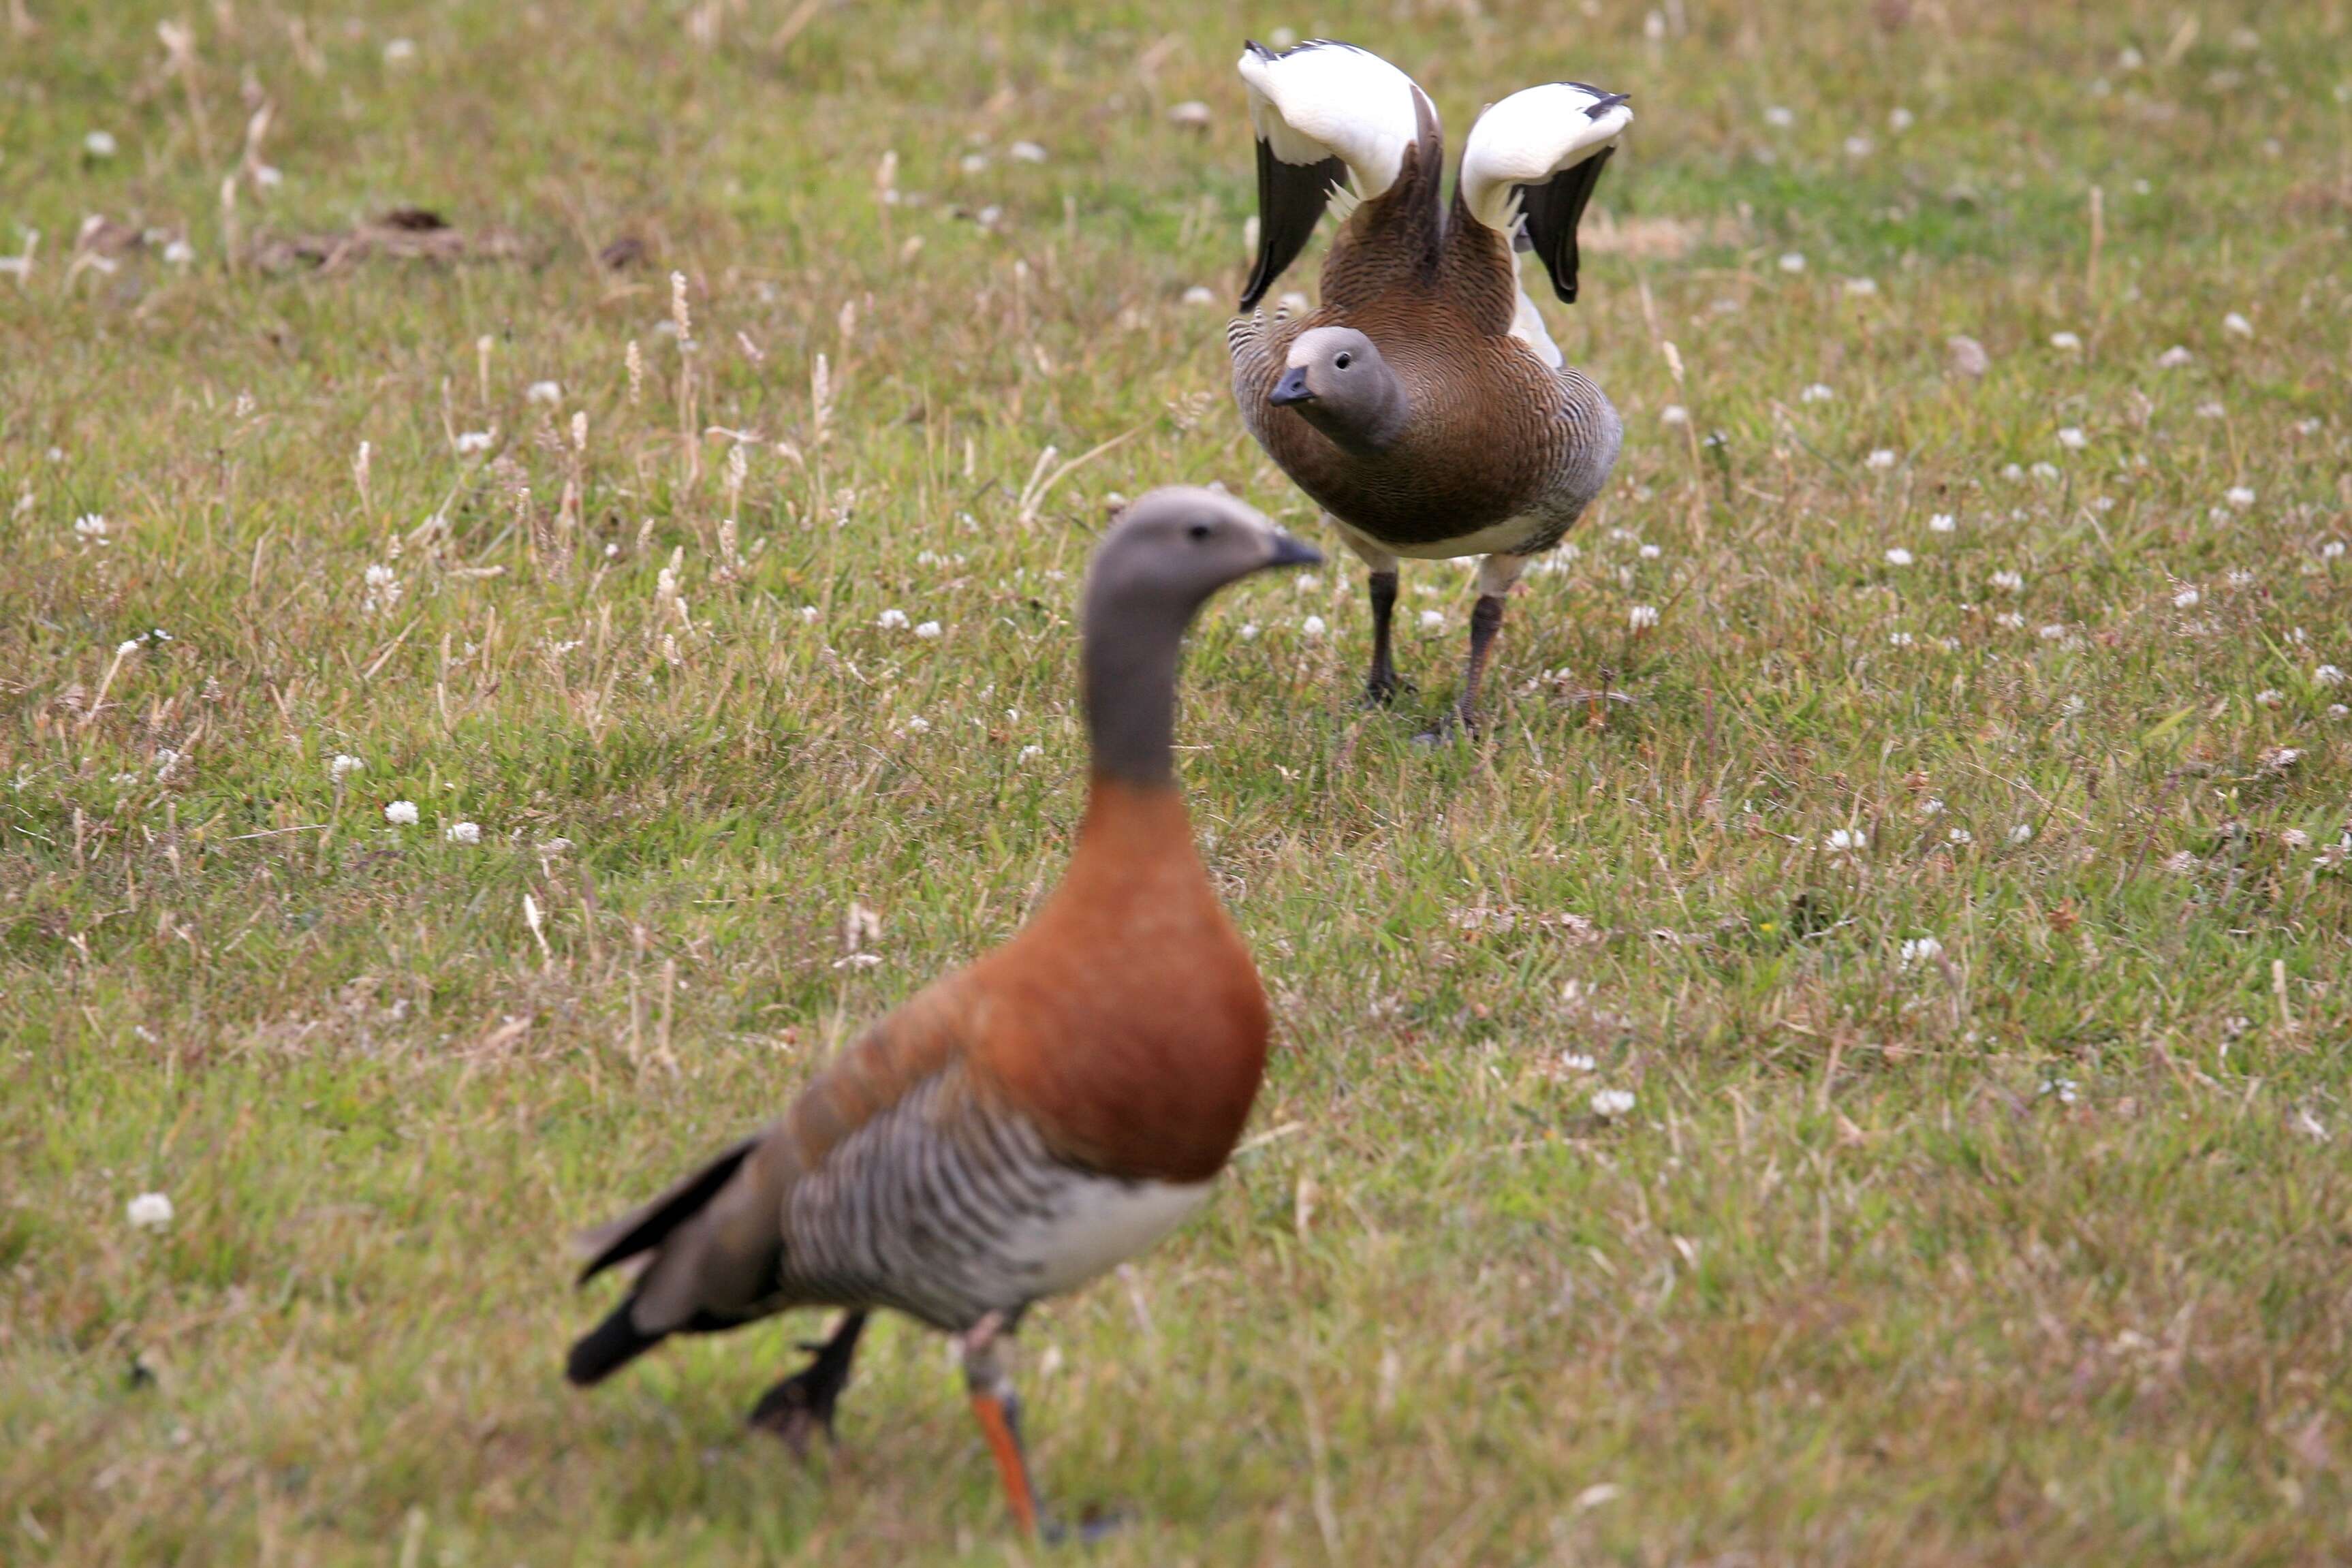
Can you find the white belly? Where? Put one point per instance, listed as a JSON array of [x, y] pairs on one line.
[[1503, 538], [1100, 1224]]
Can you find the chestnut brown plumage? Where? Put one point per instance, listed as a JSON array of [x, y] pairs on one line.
[[1013, 1128]]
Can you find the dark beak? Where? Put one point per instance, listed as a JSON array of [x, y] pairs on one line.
[[1291, 388], [1289, 552]]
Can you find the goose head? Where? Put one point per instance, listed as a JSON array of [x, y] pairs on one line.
[[1336, 380]]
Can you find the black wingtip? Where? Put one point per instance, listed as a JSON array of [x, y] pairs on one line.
[[1606, 103]]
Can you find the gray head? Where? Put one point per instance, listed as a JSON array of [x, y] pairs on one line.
[[1339, 383], [1157, 564]]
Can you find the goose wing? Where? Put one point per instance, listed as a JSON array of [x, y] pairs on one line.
[[1530, 165], [1324, 114]]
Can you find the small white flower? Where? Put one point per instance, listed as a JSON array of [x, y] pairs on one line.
[[2328, 675], [1883, 459], [1942, 522], [1846, 840], [1900, 639], [2009, 581], [2338, 710], [1899, 118], [2278, 759], [344, 766], [2237, 326], [2022, 834], [1649, 552], [1026, 152], [179, 253], [1921, 950], [1817, 391], [2009, 621], [269, 177], [399, 52], [2012, 473], [2238, 496], [1960, 835], [463, 833], [892, 620], [1793, 261], [1673, 413], [1898, 556], [1433, 620], [2269, 697], [2295, 838], [2072, 440], [918, 725], [2211, 410], [2050, 633], [974, 162], [1199, 295], [2332, 550], [2063, 1088], [1858, 146], [544, 392], [1029, 753], [1249, 631], [1313, 626], [98, 144], [1862, 286], [2174, 358], [1575, 1061], [471, 442], [928, 629], [149, 1211], [2187, 599], [1641, 617], [2066, 342], [1779, 118], [1932, 807], [90, 526], [2043, 470], [1307, 582], [810, 615], [401, 814], [1610, 1103]]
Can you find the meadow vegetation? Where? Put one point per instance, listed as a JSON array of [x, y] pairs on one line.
[[1849, 1070]]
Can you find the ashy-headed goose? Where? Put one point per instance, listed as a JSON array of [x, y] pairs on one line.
[[1422, 404]]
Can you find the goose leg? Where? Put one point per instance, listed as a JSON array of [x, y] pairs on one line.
[[801, 1406], [1381, 683], [1497, 574], [999, 1410]]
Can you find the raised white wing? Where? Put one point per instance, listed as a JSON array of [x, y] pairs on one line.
[[1532, 163], [1324, 113]]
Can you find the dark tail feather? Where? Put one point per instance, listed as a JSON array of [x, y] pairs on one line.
[[643, 1228], [607, 1348]]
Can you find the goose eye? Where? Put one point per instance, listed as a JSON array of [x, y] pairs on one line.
[[1343, 361], [1199, 531]]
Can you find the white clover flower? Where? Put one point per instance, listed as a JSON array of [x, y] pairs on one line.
[[2050, 633], [810, 615], [269, 177], [343, 767], [918, 725], [1029, 753], [1779, 118], [2009, 620], [2063, 1088], [2238, 496], [2278, 759], [2009, 581], [1817, 391], [2187, 599], [1932, 807], [1898, 556], [1649, 552], [2174, 358], [1862, 286], [2043, 470], [1899, 118], [2210, 409], [2326, 675], [90, 527], [2022, 834], [1249, 631], [543, 392], [98, 144], [927, 630], [1942, 522], [1900, 639], [401, 814], [1960, 835], [1846, 840], [1313, 626], [149, 1211], [471, 442], [1641, 617], [1575, 1061], [2332, 550], [1921, 950], [399, 52], [1882, 458], [1199, 295], [2295, 838], [892, 620], [1858, 147], [2237, 326], [2338, 710], [179, 253], [2269, 697], [2012, 472], [1433, 620], [1026, 152], [2066, 342], [1793, 261], [1612, 1102], [463, 833], [2072, 440], [1673, 413]]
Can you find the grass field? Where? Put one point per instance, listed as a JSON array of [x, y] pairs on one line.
[[1962, 903]]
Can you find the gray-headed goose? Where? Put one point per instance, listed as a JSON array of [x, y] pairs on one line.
[[1422, 404]]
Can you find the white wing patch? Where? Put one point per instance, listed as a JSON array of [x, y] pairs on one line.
[[1527, 325], [1529, 136], [1333, 100]]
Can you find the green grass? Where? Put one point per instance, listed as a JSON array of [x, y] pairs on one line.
[[2030, 1250]]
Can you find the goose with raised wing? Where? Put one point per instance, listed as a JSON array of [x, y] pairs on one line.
[[1422, 404], [1027, 1123]]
